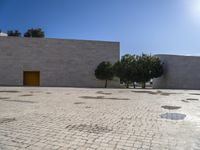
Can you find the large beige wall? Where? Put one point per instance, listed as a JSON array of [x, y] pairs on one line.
[[180, 72], [60, 62]]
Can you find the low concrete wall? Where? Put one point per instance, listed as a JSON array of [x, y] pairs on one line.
[[60, 62], [180, 72]]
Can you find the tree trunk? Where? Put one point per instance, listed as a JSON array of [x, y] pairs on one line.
[[106, 83], [127, 85], [143, 85], [134, 85]]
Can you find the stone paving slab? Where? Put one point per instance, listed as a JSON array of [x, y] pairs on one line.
[[98, 119]]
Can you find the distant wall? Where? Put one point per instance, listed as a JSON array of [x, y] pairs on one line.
[[3, 34], [60, 62], [180, 72]]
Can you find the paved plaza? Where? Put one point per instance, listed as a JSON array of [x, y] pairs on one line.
[[89, 119]]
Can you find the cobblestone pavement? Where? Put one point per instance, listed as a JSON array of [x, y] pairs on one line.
[[89, 119]]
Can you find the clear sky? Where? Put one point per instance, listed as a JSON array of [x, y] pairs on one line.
[[149, 26]]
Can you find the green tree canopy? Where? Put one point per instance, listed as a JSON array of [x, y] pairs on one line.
[[125, 69], [34, 33], [134, 68], [148, 67], [105, 72], [14, 33], [156, 68]]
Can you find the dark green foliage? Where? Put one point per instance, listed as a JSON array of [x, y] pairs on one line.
[[126, 69], [132, 68], [105, 72], [157, 67], [148, 67], [34, 33], [14, 33], [143, 69]]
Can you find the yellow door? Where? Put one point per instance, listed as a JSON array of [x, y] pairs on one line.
[[31, 78]]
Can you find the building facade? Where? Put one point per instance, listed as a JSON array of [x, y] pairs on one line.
[[54, 62], [180, 72], [3, 34]]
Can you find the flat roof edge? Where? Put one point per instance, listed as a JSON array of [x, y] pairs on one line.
[[174, 55], [61, 39]]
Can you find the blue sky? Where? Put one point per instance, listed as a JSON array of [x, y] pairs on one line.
[[149, 26]]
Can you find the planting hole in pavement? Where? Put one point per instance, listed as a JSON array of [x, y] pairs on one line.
[[192, 99], [156, 93], [117, 98], [20, 101], [102, 97], [89, 128], [173, 116], [77, 103], [92, 97], [185, 101], [101, 92], [170, 107], [87, 107], [165, 94], [147, 92], [27, 95], [4, 98], [9, 91], [194, 93], [6, 120]]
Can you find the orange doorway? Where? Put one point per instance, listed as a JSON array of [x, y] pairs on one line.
[[31, 78]]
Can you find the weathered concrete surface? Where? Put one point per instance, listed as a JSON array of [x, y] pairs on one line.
[[60, 62], [180, 72], [90, 119]]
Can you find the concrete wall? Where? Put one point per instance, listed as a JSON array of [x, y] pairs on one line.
[[3, 34], [180, 72], [60, 62]]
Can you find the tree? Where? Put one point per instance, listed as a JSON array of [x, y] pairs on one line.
[[143, 69], [105, 72], [148, 67], [157, 67], [34, 33], [125, 69], [134, 70], [14, 33]]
